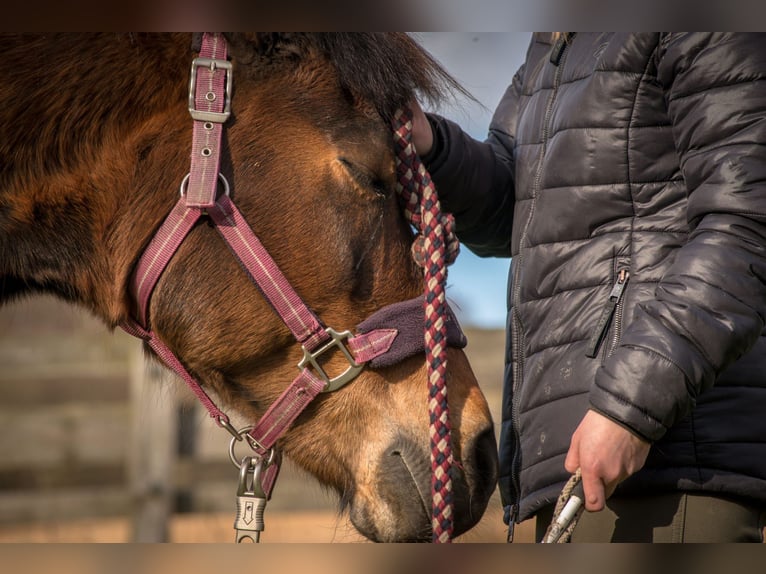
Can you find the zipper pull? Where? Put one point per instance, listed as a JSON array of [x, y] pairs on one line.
[[513, 515], [606, 315], [559, 47]]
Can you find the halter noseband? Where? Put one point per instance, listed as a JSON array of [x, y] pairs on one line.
[[383, 339]]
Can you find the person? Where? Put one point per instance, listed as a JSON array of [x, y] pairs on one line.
[[625, 176]]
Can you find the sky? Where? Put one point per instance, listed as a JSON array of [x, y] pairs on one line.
[[484, 63]]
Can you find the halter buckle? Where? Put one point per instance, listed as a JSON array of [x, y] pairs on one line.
[[204, 115], [337, 341]]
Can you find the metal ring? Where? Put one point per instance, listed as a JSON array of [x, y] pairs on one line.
[[185, 183], [233, 441], [250, 440]]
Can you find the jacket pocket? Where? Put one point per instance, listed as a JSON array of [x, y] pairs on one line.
[[611, 309]]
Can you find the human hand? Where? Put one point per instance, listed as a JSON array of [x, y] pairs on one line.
[[422, 135], [606, 454]]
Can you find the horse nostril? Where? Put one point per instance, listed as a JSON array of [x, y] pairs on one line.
[[416, 474], [402, 484], [482, 459]]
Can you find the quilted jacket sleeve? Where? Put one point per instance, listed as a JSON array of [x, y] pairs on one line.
[[710, 307], [475, 179]]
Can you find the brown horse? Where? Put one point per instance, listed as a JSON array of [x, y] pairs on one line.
[[96, 136]]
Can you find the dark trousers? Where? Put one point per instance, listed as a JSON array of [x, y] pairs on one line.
[[675, 517]]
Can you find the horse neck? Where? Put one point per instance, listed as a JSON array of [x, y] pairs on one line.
[[79, 114]]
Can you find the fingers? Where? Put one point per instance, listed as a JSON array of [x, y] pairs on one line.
[[572, 461], [606, 454], [593, 486], [422, 135]]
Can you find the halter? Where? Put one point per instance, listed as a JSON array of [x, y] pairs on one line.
[[385, 338]]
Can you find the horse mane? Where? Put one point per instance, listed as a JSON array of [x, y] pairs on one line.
[[386, 69]]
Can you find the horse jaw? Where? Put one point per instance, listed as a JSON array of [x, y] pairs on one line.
[[385, 451]]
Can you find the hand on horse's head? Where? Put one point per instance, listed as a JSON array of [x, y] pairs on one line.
[[422, 134]]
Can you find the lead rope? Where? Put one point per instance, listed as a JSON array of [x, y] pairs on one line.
[[434, 248], [562, 535]]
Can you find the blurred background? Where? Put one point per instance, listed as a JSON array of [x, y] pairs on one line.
[[484, 63], [97, 445]]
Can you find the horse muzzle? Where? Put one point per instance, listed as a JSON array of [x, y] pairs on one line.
[[399, 509]]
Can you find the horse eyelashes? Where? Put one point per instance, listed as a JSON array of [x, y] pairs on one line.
[[366, 179]]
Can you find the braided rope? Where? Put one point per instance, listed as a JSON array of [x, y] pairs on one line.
[[566, 492], [434, 249]]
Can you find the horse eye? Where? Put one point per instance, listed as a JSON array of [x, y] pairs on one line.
[[366, 178]]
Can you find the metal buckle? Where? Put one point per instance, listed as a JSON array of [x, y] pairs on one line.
[[205, 116], [311, 359]]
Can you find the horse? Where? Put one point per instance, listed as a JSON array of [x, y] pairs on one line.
[[96, 134]]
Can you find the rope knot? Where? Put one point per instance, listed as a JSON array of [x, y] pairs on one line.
[[419, 200]]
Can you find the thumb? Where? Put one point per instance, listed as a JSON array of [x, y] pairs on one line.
[[422, 134], [593, 487]]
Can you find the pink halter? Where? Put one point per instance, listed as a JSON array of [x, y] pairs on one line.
[[385, 338]]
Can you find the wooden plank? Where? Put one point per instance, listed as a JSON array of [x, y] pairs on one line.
[[84, 476], [29, 390], [63, 435], [45, 505]]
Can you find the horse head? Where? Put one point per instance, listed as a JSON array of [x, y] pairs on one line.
[[308, 156]]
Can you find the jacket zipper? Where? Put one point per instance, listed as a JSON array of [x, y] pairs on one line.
[[609, 310], [617, 326], [559, 50]]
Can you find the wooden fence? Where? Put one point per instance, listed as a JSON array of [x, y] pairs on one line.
[[90, 430]]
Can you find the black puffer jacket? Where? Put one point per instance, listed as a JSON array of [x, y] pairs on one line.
[[627, 169]]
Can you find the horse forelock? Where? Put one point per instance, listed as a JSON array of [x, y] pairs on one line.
[[386, 69]]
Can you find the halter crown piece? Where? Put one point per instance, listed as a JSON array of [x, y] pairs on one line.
[[382, 339]]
